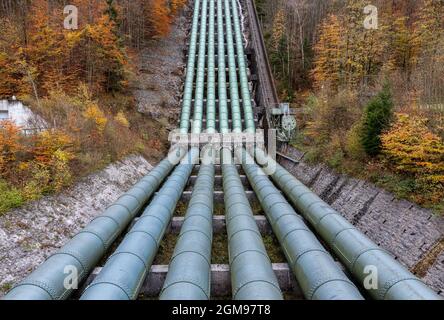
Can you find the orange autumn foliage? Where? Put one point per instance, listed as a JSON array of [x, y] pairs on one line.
[[160, 17], [10, 145]]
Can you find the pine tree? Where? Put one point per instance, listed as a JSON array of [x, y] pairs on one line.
[[377, 118]]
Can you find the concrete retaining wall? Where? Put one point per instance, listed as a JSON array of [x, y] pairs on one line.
[[406, 230], [30, 234]]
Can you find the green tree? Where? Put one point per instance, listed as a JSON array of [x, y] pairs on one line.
[[377, 117]]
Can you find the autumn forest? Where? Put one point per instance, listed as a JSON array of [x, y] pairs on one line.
[[371, 99], [77, 81]]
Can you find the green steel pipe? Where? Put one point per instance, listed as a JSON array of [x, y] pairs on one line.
[[317, 273], [234, 90], [211, 81], [222, 81], [189, 271], [88, 246], [245, 90], [200, 77], [189, 79], [252, 276], [355, 250], [122, 276]]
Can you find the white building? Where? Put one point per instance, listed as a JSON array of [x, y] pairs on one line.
[[21, 115]]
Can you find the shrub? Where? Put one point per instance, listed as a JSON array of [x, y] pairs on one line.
[[354, 147], [95, 114], [10, 145], [413, 149], [121, 119], [332, 116]]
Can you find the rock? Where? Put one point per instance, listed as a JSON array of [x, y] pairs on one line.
[[160, 79]]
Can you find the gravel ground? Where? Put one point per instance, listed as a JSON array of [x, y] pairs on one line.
[[158, 88]]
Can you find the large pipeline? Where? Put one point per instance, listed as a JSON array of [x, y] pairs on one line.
[[252, 276], [87, 247], [222, 81], [122, 276], [189, 272], [211, 78], [236, 116], [357, 252], [318, 275], [189, 79], [245, 90], [200, 76]]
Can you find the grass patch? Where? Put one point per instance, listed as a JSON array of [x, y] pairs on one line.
[[219, 252], [257, 208], [219, 209], [5, 287], [181, 209], [274, 249], [166, 249], [10, 197]]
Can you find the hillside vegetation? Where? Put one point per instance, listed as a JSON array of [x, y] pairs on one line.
[[78, 81], [371, 99]]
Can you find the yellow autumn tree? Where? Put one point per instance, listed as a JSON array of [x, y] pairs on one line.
[[327, 65], [405, 46], [413, 149], [278, 30], [94, 114]]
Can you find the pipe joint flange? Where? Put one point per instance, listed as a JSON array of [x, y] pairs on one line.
[[263, 253], [76, 255], [284, 237], [116, 253], [51, 291], [105, 216], [180, 253], [392, 282], [188, 281], [144, 232], [353, 263], [335, 237], [329, 277], [112, 281], [120, 205], [105, 243], [252, 230], [300, 254], [242, 284], [195, 231]]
